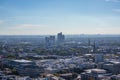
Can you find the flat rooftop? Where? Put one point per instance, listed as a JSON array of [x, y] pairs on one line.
[[96, 70], [22, 61]]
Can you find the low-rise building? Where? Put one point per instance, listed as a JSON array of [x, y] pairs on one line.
[[94, 74], [115, 77], [24, 67]]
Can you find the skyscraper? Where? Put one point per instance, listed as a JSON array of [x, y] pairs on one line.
[[94, 47], [60, 37], [89, 42], [99, 57], [50, 41]]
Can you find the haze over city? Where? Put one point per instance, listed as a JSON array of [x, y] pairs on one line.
[[59, 39], [36, 17]]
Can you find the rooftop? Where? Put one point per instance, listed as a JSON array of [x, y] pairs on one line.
[[22, 61], [96, 70]]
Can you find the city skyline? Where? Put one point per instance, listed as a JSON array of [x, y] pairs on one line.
[[37, 17]]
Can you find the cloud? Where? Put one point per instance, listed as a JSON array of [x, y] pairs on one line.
[[116, 10], [1, 22], [30, 26], [32, 17], [68, 25], [112, 0], [109, 30], [107, 0], [25, 29]]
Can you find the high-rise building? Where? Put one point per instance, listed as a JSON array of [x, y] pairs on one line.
[[99, 58], [94, 47], [50, 41], [89, 43], [60, 37]]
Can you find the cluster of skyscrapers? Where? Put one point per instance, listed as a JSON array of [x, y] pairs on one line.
[[51, 40]]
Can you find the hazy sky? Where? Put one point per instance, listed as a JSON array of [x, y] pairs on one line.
[[35, 17]]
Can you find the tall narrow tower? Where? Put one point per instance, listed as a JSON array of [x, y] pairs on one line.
[[89, 43], [60, 37], [94, 47]]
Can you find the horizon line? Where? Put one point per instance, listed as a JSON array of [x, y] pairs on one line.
[[49, 34]]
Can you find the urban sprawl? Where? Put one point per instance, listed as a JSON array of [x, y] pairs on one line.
[[60, 57]]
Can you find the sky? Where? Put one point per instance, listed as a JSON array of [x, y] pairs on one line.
[[39, 17]]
